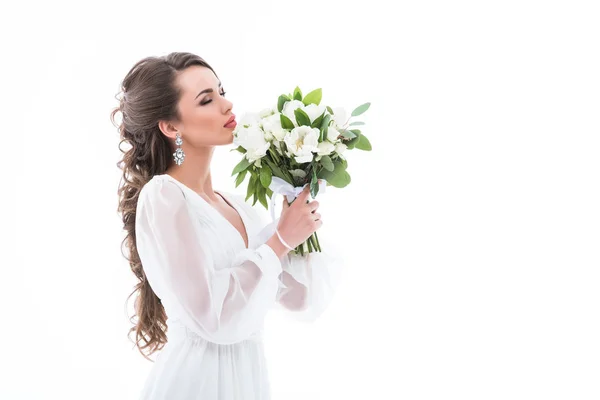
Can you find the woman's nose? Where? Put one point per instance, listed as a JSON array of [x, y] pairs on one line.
[[227, 105]]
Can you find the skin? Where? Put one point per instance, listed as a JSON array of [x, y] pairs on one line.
[[202, 129]]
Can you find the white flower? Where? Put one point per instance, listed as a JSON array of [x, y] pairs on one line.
[[332, 134], [279, 133], [289, 107], [265, 112], [313, 111], [253, 140], [302, 142], [339, 117], [340, 148], [277, 145], [325, 148], [255, 154], [306, 158], [248, 119], [272, 127], [269, 136]]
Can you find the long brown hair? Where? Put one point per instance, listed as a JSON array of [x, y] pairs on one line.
[[149, 93]]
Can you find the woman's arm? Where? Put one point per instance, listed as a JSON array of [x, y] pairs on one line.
[[223, 305]]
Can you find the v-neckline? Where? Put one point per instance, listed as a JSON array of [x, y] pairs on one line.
[[230, 203]]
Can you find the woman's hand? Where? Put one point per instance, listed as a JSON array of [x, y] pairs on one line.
[[299, 220]]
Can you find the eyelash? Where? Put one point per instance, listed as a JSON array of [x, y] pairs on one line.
[[206, 102]]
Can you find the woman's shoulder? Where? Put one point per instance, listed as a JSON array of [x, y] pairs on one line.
[[165, 195], [159, 186]]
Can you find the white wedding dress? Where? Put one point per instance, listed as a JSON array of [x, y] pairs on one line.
[[216, 292]]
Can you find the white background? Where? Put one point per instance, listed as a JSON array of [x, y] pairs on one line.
[[471, 230]]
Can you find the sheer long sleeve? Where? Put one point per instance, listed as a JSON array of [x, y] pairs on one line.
[[223, 305], [309, 282]]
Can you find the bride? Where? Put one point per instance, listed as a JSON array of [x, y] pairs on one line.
[[210, 265]]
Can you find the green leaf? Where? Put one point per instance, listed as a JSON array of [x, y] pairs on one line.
[[314, 184], [348, 134], [357, 123], [360, 109], [313, 97], [262, 197], [301, 117], [343, 163], [297, 94], [324, 127], [330, 110], [363, 143], [242, 165], [286, 123], [257, 190], [240, 177], [338, 177], [240, 149], [327, 163], [265, 176], [251, 186], [281, 101], [275, 169], [318, 121], [352, 143], [272, 151]]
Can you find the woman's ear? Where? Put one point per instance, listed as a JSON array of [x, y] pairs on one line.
[[168, 129]]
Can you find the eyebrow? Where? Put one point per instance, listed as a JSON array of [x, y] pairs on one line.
[[206, 91]]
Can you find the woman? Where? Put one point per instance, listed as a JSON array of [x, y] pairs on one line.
[[210, 266]]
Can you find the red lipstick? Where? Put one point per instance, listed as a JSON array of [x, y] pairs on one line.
[[230, 122]]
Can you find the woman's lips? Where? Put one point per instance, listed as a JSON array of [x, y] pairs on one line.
[[231, 123]]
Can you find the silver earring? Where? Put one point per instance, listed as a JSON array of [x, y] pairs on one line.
[[179, 155]]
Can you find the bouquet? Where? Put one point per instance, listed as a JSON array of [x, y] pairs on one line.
[[297, 143]]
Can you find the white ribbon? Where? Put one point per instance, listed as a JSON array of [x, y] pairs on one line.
[[279, 186]]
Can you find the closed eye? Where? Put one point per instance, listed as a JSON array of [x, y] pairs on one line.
[[210, 100]]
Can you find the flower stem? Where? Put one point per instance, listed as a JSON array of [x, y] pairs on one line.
[[317, 239], [314, 243]]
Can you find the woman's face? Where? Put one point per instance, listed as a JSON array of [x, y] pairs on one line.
[[203, 108]]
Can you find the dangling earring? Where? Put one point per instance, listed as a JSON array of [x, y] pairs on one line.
[[179, 155]]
